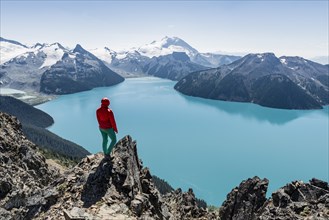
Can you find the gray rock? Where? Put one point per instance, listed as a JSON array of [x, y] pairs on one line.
[[119, 187], [244, 201]]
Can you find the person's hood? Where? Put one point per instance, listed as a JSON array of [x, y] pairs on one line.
[[105, 102]]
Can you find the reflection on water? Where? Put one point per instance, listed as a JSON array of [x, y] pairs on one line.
[[254, 111]]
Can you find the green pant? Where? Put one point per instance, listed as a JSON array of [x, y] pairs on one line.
[[105, 134]]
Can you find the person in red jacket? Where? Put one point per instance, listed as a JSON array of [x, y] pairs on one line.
[[107, 125]]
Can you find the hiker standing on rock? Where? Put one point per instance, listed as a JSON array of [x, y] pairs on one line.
[[107, 125]]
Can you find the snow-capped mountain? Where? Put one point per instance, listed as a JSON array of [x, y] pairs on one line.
[[77, 71], [137, 61], [24, 71], [132, 61], [31, 68], [52, 52], [168, 45], [165, 46], [285, 82], [10, 49], [104, 54]]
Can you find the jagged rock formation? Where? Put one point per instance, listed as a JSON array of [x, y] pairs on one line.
[[24, 174], [109, 188], [296, 200], [244, 201], [184, 206], [118, 187]]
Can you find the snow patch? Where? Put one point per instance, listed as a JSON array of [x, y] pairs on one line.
[[283, 61], [8, 91], [166, 46], [260, 56], [53, 54], [9, 51], [104, 54], [72, 56]]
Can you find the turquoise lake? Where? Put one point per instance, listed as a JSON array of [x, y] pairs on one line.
[[207, 145]]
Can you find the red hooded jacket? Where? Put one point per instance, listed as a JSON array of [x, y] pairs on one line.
[[105, 116]]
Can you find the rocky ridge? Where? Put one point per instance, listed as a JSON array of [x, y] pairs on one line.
[[119, 187]]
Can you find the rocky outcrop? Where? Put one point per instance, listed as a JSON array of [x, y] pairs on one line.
[[243, 202], [184, 206], [109, 188], [119, 187], [24, 174], [298, 200]]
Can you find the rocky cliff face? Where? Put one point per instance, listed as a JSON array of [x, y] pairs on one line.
[[296, 200], [116, 187], [24, 174], [119, 187]]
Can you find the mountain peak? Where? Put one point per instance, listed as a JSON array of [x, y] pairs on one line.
[[12, 42], [165, 46], [78, 49], [58, 45]]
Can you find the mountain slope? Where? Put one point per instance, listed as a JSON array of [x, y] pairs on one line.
[[24, 71], [278, 91], [24, 174], [263, 79], [77, 71], [10, 49], [25, 113], [173, 66]]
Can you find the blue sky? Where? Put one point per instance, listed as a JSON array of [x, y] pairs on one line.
[[296, 28]]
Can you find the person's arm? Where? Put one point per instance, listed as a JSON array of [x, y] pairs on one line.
[[97, 116], [112, 120]]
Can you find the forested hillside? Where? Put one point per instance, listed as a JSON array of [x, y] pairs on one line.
[[34, 122]]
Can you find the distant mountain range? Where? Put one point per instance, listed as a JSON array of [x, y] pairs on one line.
[[162, 58], [52, 69], [55, 69], [285, 82]]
